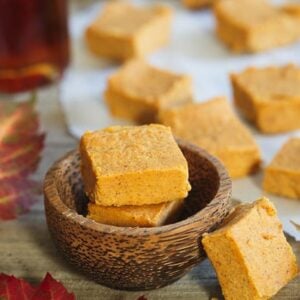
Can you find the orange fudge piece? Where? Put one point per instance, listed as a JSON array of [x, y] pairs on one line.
[[124, 31], [250, 253], [213, 126], [282, 176], [136, 216], [292, 8], [196, 4], [133, 165], [138, 91], [254, 25], [269, 97]]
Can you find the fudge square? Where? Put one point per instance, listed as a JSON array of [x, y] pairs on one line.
[[269, 97], [124, 31], [292, 8], [213, 126], [254, 25], [133, 165], [250, 253], [282, 176], [196, 4], [136, 215], [138, 91]]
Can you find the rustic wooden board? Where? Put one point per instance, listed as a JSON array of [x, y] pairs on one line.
[[27, 250]]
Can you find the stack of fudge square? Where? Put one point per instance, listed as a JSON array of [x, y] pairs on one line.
[[134, 176], [249, 251]]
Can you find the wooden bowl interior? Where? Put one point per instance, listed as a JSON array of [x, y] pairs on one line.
[[203, 176]]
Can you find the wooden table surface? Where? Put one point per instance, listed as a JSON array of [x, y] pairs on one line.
[[27, 250]]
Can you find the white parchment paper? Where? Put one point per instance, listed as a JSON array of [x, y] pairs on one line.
[[194, 50]]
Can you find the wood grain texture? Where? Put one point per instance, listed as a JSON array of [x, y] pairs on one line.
[[136, 258]]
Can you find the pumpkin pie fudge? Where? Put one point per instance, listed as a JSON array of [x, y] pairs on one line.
[[254, 25], [138, 91], [282, 176], [213, 126], [292, 8], [196, 4], [269, 97], [133, 165], [250, 253], [136, 215], [124, 31]]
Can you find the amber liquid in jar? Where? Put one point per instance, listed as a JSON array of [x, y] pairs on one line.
[[34, 44]]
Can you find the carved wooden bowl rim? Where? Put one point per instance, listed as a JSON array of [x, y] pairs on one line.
[[223, 193]]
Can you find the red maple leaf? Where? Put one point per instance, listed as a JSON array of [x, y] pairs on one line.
[[52, 290], [12, 288], [20, 148]]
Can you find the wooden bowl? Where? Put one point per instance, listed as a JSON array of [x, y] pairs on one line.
[[135, 258]]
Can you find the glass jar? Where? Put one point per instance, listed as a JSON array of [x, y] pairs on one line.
[[34, 43]]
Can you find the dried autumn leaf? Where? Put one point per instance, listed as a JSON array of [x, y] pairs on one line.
[[50, 289], [12, 151], [22, 165], [18, 121], [12, 288], [20, 148], [17, 196]]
